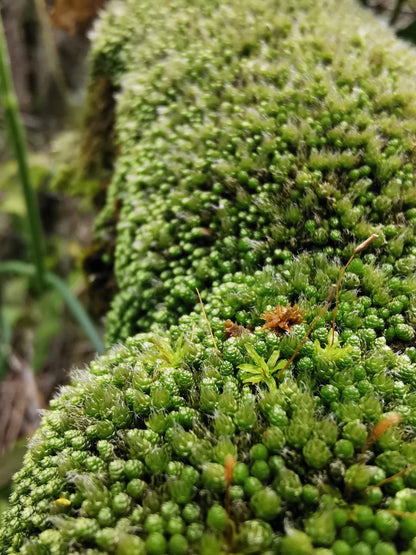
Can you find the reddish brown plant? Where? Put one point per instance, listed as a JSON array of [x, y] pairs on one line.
[[232, 329], [282, 318]]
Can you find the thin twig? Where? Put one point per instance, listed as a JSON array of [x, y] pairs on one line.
[[229, 465], [207, 321], [360, 248], [404, 514], [321, 313], [161, 349], [381, 428], [391, 478]]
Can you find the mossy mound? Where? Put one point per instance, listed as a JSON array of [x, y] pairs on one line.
[[245, 128], [259, 143], [172, 445]]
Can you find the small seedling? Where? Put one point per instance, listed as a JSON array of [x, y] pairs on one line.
[[173, 356], [261, 371], [332, 352]]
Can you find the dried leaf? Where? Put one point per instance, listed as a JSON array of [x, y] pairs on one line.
[[232, 329], [282, 318], [74, 16]]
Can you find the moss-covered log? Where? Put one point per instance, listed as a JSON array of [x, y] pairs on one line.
[[245, 128], [170, 444], [259, 143]]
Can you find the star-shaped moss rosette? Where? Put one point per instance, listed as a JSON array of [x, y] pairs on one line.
[[260, 371]]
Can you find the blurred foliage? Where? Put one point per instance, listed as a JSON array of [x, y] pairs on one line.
[[401, 14], [408, 33], [26, 317], [74, 16], [10, 462], [66, 175], [20, 306], [12, 201]]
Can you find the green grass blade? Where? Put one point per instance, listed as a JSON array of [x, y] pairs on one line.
[[78, 311], [17, 137]]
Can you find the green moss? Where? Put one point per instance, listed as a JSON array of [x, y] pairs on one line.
[[105, 472], [268, 130], [257, 148]]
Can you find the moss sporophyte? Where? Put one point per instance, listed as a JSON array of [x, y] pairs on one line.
[[279, 415]]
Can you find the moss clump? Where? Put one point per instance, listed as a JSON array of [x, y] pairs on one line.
[[244, 131], [162, 447], [249, 138]]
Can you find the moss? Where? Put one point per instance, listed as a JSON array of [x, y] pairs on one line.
[[235, 128], [97, 152], [257, 148], [138, 448]]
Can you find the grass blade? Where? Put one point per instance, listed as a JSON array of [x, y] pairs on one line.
[[78, 311]]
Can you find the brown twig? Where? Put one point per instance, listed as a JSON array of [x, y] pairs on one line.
[[360, 248], [402, 513], [161, 349], [208, 324], [380, 428], [229, 465], [391, 478]]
